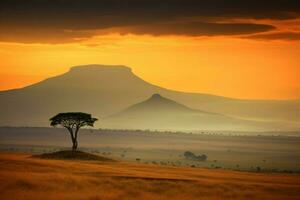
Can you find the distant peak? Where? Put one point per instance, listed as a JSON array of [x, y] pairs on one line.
[[98, 67], [157, 104], [156, 96]]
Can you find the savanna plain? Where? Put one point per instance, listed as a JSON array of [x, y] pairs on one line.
[[149, 165]]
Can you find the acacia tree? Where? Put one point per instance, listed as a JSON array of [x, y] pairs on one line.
[[73, 121]]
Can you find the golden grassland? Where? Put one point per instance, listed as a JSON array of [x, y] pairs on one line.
[[25, 177]]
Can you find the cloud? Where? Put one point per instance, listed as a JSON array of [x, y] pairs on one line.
[[276, 36], [48, 20], [198, 29], [42, 35]]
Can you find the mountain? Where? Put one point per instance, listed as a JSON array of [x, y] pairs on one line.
[[161, 113], [105, 90], [157, 104]]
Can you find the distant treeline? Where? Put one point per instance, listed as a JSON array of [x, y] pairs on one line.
[[148, 131]]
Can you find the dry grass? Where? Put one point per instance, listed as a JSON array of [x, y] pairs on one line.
[[24, 177]]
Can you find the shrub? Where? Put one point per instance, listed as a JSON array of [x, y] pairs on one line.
[[191, 156]]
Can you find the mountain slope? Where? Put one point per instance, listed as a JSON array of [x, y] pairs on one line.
[[104, 90], [157, 103], [160, 113]]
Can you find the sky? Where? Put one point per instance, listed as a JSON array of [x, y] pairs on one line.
[[246, 49]]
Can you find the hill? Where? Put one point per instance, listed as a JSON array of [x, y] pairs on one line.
[[161, 113], [157, 103], [73, 155], [105, 90]]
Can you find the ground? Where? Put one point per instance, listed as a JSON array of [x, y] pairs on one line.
[[273, 152], [25, 177]]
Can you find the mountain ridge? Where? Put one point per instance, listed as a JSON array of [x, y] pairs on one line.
[[104, 90], [160, 113], [100, 67], [159, 103]]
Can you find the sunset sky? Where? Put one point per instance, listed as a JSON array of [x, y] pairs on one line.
[[242, 49]]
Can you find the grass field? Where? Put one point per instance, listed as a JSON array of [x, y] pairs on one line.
[[25, 177], [269, 153]]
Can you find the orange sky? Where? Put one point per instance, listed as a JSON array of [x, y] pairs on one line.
[[243, 49], [240, 68]]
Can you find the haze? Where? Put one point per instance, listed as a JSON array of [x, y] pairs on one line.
[[150, 99]]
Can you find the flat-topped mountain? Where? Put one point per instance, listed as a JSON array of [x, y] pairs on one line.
[[105, 90], [93, 78]]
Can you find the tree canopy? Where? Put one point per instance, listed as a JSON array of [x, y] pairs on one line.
[[73, 121]]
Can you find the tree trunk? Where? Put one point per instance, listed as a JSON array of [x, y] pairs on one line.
[[74, 140], [75, 144]]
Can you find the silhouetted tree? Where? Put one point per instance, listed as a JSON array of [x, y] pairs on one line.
[[73, 121]]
